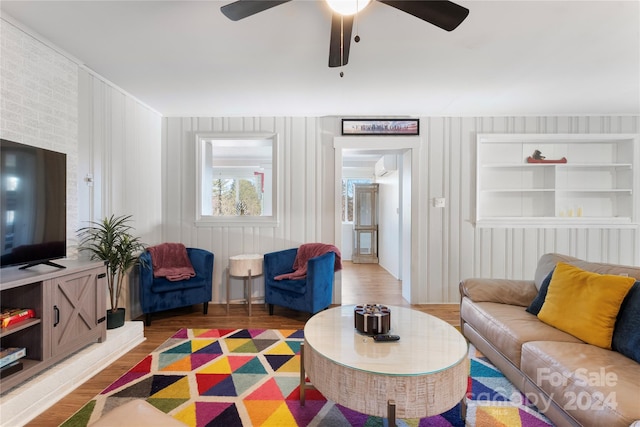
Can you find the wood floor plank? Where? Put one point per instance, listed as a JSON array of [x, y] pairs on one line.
[[362, 283]]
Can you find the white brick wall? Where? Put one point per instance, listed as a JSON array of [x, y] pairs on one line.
[[39, 107]]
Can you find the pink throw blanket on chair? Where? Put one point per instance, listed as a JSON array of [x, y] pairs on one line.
[[171, 260], [305, 253]]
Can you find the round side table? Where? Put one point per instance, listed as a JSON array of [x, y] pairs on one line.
[[246, 266]]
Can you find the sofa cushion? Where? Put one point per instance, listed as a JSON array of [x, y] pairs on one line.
[[505, 291], [161, 285], [584, 304], [547, 262], [536, 304], [602, 268], [626, 334], [507, 327], [595, 385], [298, 286]]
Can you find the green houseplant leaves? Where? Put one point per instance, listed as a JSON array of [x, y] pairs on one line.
[[111, 240]]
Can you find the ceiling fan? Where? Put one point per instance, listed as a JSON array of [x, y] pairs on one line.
[[441, 13]]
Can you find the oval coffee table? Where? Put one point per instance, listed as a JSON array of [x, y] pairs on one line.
[[423, 374]]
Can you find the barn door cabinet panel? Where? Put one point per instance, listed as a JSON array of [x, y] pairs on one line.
[[69, 306], [77, 311], [556, 179]]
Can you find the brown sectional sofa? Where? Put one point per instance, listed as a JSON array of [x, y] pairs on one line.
[[572, 382]]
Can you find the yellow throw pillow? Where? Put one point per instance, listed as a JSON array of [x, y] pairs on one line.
[[584, 304]]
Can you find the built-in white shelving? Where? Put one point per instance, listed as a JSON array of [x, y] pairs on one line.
[[594, 187]]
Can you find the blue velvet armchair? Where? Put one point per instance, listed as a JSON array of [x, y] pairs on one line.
[[159, 294], [311, 294]]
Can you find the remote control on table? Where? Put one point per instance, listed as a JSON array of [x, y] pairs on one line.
[[385, 337]]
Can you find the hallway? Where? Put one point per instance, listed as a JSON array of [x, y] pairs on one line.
[[370, 284]]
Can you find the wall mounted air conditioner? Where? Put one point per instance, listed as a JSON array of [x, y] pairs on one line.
[[385, 165]]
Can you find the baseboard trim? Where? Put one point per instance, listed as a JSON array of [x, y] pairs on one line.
[[23, 403]]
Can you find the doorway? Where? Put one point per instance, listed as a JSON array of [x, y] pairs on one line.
[[408, 149]]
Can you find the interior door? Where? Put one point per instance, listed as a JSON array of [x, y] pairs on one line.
[[365, 221]]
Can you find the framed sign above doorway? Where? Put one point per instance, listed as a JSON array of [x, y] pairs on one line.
[[380, 126]]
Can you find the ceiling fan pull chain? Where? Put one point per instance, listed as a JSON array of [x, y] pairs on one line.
[[355, 18], [341, 45]]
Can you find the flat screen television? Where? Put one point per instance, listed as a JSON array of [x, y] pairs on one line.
[[33, 198]]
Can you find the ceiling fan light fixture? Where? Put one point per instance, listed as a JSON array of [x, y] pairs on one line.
[[347, 7]]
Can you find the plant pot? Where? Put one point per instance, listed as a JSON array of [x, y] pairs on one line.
[[115, 319]]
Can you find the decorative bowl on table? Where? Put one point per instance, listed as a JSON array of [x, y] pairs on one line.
[[372, 319]]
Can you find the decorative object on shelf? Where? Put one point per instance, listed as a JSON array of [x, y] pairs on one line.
[[372, 319], [11, 316], [570, 212], [537, 157], [111, 241], [11, 354]]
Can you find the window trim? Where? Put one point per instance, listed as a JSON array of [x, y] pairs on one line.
[[242, 221]]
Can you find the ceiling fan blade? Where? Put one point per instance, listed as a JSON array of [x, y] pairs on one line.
[[441, 13], [243, 8], [341, 27]]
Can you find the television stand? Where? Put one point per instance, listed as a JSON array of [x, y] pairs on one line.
[[49, 263], [70, 308]]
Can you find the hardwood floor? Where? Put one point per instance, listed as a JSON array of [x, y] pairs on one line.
[[362, 283], [370, 283]]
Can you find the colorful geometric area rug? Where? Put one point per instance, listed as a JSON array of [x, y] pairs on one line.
[[250, 377]]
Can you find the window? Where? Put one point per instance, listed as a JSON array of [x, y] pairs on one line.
[[347, 196], [236, 178]]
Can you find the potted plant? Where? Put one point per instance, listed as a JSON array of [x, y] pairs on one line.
[[111, 241]]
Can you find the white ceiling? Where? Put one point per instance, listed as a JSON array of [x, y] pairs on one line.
[[184, 58]]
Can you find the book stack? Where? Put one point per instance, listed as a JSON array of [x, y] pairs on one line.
[[11, 316], [10, 360]]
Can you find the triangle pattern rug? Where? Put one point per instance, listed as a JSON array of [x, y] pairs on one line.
[[250, 377]]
